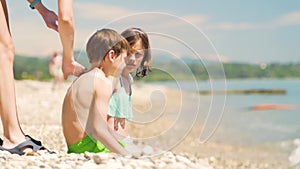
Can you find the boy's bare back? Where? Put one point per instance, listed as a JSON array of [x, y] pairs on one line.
[[79, 104]]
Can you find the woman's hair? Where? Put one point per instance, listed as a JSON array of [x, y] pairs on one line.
[[132, 35], [104, 40]]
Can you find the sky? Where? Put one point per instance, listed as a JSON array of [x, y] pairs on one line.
[[227, 31]]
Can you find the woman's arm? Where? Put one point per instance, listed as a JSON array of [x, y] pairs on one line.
[[66, 33], [64, 24], [49, 16]]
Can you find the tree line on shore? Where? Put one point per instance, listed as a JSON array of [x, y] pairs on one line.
[[36, 68]]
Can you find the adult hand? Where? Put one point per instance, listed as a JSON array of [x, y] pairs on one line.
[[49, 16], [50, 19], [73, 68]]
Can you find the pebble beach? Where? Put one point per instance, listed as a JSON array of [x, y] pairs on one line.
[[39, 110]]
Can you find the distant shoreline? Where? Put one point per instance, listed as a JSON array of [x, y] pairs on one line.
[[245, 91]]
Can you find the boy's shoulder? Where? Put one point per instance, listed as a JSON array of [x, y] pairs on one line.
[[100, 80], [93, 74], [94, 77]]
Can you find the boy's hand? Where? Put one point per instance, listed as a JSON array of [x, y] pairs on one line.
[[118, 121]]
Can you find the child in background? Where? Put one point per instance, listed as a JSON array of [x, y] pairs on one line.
[[55, 69], [85, 107], [120, 107]]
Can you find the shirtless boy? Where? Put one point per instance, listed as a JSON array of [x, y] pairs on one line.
[[85, 107]]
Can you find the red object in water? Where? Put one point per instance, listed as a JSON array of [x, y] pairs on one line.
[[274, 107]]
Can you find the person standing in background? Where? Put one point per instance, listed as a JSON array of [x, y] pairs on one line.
[[55, 70]]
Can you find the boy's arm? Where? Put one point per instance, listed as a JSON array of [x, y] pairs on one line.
[[101, 130]]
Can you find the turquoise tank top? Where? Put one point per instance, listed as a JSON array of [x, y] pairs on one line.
[[120, 103]]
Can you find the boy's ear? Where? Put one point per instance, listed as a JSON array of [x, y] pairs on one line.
[[111, 55]]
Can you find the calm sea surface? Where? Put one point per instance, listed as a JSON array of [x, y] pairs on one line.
[[240, 124]]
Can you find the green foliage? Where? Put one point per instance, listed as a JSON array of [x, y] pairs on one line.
[[156, 75], [31, 68], [231, 70], [37, 69], [275, 70]]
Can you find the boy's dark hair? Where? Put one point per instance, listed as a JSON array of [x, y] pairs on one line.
[[104, 40]]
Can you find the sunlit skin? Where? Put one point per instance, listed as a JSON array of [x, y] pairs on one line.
[[83, 100]]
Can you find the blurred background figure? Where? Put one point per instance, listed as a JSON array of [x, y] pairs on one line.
[[55, 69]]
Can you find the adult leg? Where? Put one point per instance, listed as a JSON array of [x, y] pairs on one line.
[[4, 7], [13, 135]]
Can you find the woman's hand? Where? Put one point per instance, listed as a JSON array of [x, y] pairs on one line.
[[72, 67], [50, 19], [49, 16]]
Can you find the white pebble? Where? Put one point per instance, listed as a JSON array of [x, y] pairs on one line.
[[183, 159]]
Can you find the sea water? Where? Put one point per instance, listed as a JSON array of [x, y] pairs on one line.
[[242, 125]]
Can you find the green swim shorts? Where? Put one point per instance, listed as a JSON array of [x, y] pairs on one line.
[[89, 144]]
